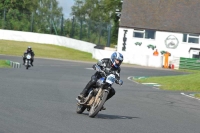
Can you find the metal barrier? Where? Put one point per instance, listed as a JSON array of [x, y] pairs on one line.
[[189, 63], [13, 64]]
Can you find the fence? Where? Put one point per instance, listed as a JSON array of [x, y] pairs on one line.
[[13, 64], [189, 63], [77, 28]]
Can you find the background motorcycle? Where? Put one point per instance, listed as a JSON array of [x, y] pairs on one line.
[[97, 96], [28, 61]]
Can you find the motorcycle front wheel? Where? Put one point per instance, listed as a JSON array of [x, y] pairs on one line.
[[98, 104], [80, 109], [27, 64]]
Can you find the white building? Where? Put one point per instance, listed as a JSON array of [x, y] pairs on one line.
[[147, 25]]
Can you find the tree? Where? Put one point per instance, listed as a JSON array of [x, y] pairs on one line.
[[47, 16], [16, 13], [101, 11]]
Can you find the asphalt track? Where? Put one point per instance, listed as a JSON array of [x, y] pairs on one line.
[[42, 100]]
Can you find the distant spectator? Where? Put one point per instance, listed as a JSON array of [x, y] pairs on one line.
[[155, 53], [166, 59]]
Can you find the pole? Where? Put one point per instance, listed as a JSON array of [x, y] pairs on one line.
[[99, 34], [81, 29], [72, 29], [89, 29], [109, 31], [61, 32], [51, 22], [4, 18], [32, 22]]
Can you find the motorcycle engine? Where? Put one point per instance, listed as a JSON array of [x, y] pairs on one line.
[[100, 81]]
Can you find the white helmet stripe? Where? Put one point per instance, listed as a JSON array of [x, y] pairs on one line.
[[117, 55]]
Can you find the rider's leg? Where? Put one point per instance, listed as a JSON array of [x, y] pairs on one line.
[[111, 93], [32, 61], [88, 86]]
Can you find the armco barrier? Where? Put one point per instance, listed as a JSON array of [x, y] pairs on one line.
[[13, 64], [189, 63], [47, 39]]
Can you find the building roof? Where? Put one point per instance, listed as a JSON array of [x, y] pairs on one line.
[[164, 15]]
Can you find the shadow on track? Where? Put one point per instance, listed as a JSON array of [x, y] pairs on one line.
[[105, 116]]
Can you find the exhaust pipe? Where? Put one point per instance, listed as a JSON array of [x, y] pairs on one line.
[[86, 99]]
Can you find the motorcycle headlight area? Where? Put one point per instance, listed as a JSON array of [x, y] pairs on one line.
[[110, 79], [100, 81], [28, 56]]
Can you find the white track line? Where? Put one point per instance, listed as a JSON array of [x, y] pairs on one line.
[[156, 88], [189, 96], [129, 78], [89, 68]]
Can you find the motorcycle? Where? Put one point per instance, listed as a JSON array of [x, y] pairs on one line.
[[28, 61], [97, 95]]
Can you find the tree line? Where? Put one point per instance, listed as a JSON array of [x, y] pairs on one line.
[[91, 20]]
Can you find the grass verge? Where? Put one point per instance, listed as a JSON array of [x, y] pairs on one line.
[[44, 50], [188, 82], [3, 64], [197, 95]]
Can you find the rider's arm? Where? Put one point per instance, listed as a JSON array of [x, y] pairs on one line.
[[117, 74], [33, 54], [25, 52], [100, 63]]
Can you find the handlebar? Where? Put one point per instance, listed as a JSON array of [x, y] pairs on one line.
[[98, 68]]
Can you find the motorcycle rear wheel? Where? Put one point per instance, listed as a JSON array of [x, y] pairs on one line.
[[96, 107]]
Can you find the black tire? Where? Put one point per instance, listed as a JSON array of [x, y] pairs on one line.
[[94, 111], [27, 64], [80, 109]]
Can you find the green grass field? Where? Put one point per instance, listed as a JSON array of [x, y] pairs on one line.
[[3, 64], [183, 83], [44, 50], [197, 95], [188, 83]]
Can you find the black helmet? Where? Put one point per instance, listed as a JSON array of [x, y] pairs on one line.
[[29, 48], [117, 56]]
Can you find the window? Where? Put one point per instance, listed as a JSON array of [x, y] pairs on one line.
[[184, 37], [195, 56], [138, 34], [148, 34], [191, 38]]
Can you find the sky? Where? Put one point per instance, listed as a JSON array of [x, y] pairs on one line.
[[66, 5]]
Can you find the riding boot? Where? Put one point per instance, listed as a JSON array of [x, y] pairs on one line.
[[111, 94], [83, 94], [31, 62]]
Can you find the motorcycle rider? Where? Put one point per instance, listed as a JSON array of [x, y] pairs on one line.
[[107, 65], [29, 51]]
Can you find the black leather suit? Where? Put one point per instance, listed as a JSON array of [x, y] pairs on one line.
[[107, 66], [32, 56]]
